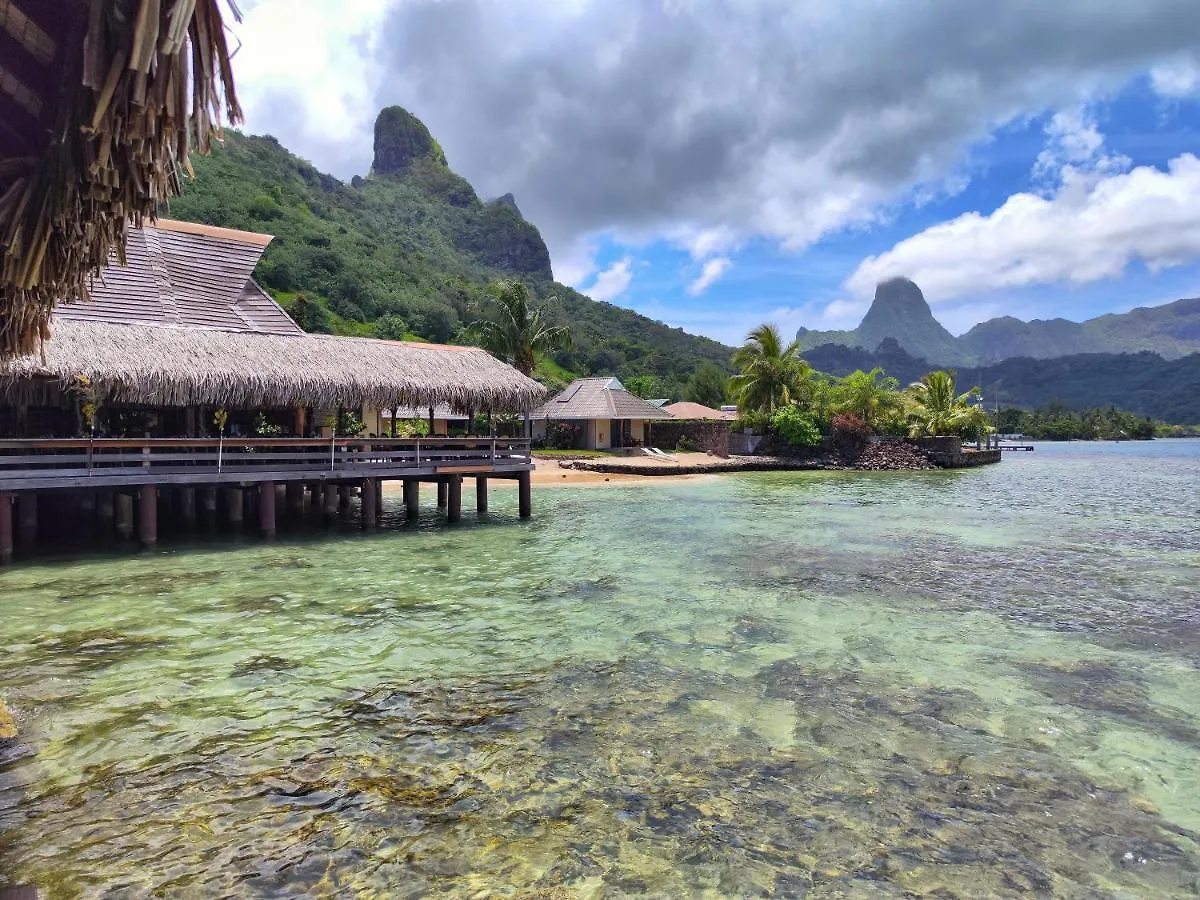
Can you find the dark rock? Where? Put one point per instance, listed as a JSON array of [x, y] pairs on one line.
[[401, 138]]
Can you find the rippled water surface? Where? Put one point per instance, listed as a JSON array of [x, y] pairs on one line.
[[979, 683]]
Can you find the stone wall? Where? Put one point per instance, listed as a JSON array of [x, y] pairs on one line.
[[709, 437]]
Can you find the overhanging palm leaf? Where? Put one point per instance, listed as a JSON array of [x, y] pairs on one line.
[[513, 331], [937, 411]]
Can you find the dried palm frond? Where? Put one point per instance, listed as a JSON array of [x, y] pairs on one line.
[[142, 82]]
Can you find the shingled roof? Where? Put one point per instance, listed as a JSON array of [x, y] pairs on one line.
[[598, 398], [179, 273]]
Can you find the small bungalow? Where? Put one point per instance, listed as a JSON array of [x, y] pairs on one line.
[[698, 412], [601, 414]]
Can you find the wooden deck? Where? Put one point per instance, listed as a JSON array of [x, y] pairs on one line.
[[41, 465]]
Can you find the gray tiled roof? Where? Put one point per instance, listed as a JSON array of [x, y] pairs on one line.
[[597, 398], [188, 275]]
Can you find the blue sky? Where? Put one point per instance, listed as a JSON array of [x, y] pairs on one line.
[[717, 163]]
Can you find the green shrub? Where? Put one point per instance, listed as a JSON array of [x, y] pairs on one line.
[[686, 445], [796, 428]]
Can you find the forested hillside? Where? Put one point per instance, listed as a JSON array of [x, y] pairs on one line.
[[408, 249]]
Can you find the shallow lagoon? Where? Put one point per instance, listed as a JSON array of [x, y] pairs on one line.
[[977, 683]]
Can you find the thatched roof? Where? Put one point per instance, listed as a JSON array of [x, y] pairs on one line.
[[173, 366], [100, 102]]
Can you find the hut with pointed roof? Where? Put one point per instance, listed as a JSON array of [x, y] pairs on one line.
[[600, 413]]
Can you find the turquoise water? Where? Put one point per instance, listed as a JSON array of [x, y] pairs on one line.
[[975, 683]]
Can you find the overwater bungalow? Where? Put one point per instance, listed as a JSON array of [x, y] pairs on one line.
[[181, 380], [601, 413]]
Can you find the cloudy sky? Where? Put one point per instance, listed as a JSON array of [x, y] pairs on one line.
[[714, 163]]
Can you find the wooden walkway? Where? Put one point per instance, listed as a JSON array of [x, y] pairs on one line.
[[108, 477]]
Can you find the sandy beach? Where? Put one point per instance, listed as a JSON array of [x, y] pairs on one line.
[[549, 473]]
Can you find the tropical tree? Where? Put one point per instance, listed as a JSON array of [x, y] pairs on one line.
[[770, 375], [707, 386], [935, 409], [871, 396], [513, 330]]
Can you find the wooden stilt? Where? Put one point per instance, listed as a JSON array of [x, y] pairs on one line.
[[315, 495], [148, 515], [331, 501], [370, 498], [378, 497], [525, 495], [234, 507], [124, 510], [295, 498], [454, 498], [208, 500], [27, 518], [106, 511], [481, 489], [266, 508], [443, 488], [343, 493], [412, 499], [6, 529], [187, 507]]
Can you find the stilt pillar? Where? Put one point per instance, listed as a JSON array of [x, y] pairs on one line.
[[412, 499], [148, 515], [315, 495], [481, 489], [370, 500], [331, 501], [106, 510], [27, 518], [525, 495], [295, 498], [343, 493], [208, 500], [266, 508], [6, 529], [378, 497], [187, 507], [124, 511], [234, 506], [443, 488], [454, 498]]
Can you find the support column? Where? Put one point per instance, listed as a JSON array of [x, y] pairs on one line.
[[481, 489], [331, 501], [343, 493], [27, 518], [378, 496], [124, 510], [442, 492], [370, 498], [187, 507], [525, 495], [234, 506], [148, 515], [315, 495], [6, 529], [266, 508], [454, 496], [208, 499], [295, 498], [412, 499], [106, 511]]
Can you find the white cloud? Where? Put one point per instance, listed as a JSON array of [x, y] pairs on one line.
[[1176, 80], [1074, 146], [702, 243], [576, 262], [712, 272], [613, 281], [1090, 229], [844, 313]]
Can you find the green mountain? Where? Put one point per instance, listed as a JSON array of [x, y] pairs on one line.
[[1171, 331], [899, 311], [408, 249]]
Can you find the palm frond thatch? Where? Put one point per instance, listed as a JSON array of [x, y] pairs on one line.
[[170, 366], [118, 95]]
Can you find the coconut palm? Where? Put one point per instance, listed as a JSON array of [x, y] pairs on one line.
[[513, 330], [936, 410], [770, 375], [872, 396]]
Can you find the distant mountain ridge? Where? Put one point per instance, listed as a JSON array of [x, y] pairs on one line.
[[899, 311]]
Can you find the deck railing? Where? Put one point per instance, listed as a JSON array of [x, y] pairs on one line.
[[26, 464]]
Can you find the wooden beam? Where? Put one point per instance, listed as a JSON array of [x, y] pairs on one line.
[[454, 498], [148, 515], [266, 508], [525, 501], [464, 470]]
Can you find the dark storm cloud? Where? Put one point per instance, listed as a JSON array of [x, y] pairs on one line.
[[775, 117]]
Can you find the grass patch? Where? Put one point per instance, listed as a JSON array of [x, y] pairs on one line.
[[570, 454]]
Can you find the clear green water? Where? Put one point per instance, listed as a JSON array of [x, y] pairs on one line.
[[979, 683]]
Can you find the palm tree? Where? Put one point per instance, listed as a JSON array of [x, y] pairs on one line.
[[872, 396], [937, 411], [514, 331], [770, 375]]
